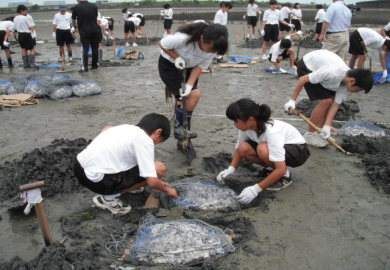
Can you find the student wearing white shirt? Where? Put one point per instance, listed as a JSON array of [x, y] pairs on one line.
[[385, 31], [359, 42], [131, 24], [62, 31], [6, 28], [141, 24], [192, 47], [121, 159], [168, 14], [251, 17], [296, 16], [270, 31], [319, 21], [24, 25], [282, 50], [125, 14], [286, 11], [272, 144], [329, 80], [221, 17]]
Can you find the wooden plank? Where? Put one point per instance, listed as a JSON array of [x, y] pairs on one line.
[[152, 202]]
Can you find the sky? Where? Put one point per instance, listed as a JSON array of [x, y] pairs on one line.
[[4, 3]]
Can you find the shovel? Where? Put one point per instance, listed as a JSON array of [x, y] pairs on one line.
[[186, 145], [330, 140], [296, 61]]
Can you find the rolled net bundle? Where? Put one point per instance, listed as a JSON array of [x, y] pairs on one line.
[[35, 89], [357, 128], [179, 242], [18, 85], [61, 92], [4, 84], [11, 90], [199, 193], [87, 88]]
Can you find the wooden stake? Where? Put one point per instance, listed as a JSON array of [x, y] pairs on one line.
[[147, 38], [114, 41]]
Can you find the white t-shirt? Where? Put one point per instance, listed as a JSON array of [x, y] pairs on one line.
[[125, 15], [252, 10], [62, 21], [320, 15], [285, 12], [296, 12], [372, 39], [136, 20], [387, 27], [168, 12], [104, 22], [277, 134], [329, 70], [7, 25], [22, 24], [275, 51], [221, 17], [272, 16], [118, 149], [191, 53]]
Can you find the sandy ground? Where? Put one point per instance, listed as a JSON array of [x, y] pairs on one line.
[[329, 218]]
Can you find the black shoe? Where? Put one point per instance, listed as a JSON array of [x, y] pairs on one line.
[[221, 60], [83, 71], [179, 133], [264, 173], [281, 183], [94, 68]]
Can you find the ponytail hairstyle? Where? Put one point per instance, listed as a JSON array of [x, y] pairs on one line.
[[245, 108], [212, 33], [226, 4]]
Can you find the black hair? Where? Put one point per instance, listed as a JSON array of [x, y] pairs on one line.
[[167, 6], [319, 7], [153, 121], [296, 4], [387, 43], [285, 43], [124, 10], [215, 33], [364, 78], [11, 18], [111, 19], [273, 2], [226, 4], [20, 8], [251, 1], [245, 108]]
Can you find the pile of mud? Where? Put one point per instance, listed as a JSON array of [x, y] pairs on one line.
[[108, 63], [375, 155], [258, 43], [141, 41], [52, 164], [347, 109]]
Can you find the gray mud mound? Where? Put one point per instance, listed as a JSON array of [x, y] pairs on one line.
[[52, 164], [108, 63], [252, 43], [375, 155], [347, 109], [309, 43], [221, 161], [141, 41]]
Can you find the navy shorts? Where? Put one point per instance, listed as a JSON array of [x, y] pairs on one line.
[[297, 24], [168, 24], [355, 45], [251, 20], [319, 28], [63, 37], [129, 26], [271, 32], [26, 41], [284, 27]]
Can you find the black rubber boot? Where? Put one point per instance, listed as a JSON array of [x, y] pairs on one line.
[[10, 63], [25, 61], [1, 64]]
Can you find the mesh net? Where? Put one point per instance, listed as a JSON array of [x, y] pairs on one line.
[[200, 193], [357, 128], [179, 242], [4, 84]]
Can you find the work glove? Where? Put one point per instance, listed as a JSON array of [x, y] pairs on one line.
[[225, 173], [53, 35], [384, 76], [288, 105], [260, 12], [107, 33], [249, 193], [6, 44], [186, 92], [32, 196], [262, 32], [244, 17], [72, 30], [111, 37], [288, 37], [369, 55], [180, 63], [34, 35], [162, 12], [300, 34], [326, 130], [387, 37], [291, 25]]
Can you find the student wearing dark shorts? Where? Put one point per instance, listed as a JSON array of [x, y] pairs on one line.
[[272, 144], [251, 17], [286, 11], [319, 21], [168, 14], [6, 28], [296, 16], [329, 80], [121, 159], [131, 25], [62, 31], [141, 24]]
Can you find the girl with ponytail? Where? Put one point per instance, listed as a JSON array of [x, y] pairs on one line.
[[270, 143]]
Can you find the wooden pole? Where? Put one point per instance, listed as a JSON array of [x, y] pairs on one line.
[[114, 41]]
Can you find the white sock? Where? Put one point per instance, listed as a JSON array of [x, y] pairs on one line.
[[247, 35], [111, 197], [219, 57], [287, 174], [309, 133], [269, 168]]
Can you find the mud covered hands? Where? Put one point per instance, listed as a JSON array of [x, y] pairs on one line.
[[225, 173], [249, 193]]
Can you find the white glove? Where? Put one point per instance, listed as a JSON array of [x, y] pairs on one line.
[[288, 105], [282, 70], [180, 63], [300, 34], [326, 130], [72, 30], [107, 33], [387, 37], [369, 55], [244, 17], [34, 35], [262, 32], [291, 25], [6, 44], [162, 12], [32, 196], [288, 37], [53, 35], [225, 173], [187, 91], [249, 193], [260, 12], [111, 37], [384, 76]]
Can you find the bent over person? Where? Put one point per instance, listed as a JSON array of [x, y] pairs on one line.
[[121, 159]]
